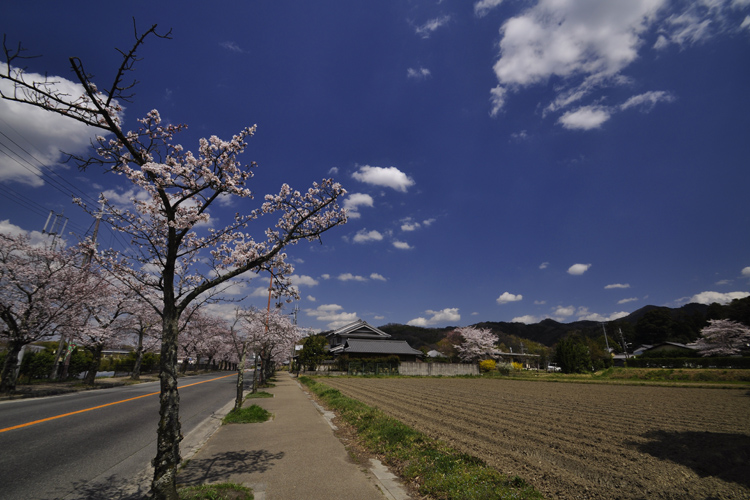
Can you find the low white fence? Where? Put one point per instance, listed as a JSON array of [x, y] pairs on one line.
[[435, 369]]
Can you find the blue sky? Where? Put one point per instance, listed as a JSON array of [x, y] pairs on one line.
[[505, 160]]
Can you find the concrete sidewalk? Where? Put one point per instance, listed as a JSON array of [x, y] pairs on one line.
[[294, 456]]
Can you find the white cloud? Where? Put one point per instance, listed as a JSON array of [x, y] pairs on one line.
[[444, 316], [625, 301], [232, 47], [585, 118], [333, 171], [36, 238], [432, 25], [578, 269], [482, 7], [579, 47], [540, 302], [564, 311], [377, 277], [384, 176], [333, 314], [11, 229], [527, 319], [722, 298], [410, 224], [351, 277], [617, 285], [356, 200], [325, 276], [506, 297], [588, 38], [544, 265], [647, 100], [311, 298], [402, 245], [364, 236], [42, 133], [746, 272], [124, 199], [498, 95], [418, 73], [519, 136], [303, 280], [586, 316], [427, 222], [260, 292]]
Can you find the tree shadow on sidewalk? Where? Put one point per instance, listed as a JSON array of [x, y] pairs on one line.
[[725, 456], [222, 466]]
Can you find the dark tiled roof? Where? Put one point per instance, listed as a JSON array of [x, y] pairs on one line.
[[379, 347], [357, 328]]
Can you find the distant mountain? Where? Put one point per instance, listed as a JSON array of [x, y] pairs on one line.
[[677, 313], [688, 320]]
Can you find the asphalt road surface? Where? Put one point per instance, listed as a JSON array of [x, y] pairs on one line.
[[102, 441]]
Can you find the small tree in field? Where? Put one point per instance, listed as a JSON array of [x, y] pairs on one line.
[[313, 352], [175, 259], [477, 343], [723, 337]]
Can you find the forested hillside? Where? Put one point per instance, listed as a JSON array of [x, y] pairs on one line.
[[647, 325]]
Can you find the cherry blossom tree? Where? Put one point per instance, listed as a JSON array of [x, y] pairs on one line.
[[40, 291], [272, 336], [106, 319], [176, 253], [145, 325], [243, 335], [478, 343], [723, 337]]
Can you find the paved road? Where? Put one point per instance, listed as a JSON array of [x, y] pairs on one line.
[[101, 453]]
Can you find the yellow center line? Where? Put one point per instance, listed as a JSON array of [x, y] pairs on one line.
[[103, 406]]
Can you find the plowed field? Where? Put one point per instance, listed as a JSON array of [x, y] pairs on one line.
[[582, 441]]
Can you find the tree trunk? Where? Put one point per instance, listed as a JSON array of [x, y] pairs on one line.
[[136, 373], [255, 372], [94, 366], [8, 377], [240, 380], [168, 433]]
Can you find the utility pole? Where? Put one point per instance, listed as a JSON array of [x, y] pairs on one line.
[[624, 344], [53, 226], [86, 263], [606, 341]]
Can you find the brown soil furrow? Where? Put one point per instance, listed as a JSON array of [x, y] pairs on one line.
[[576, 440]]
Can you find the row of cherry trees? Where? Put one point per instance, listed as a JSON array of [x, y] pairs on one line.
[[179, 255], [47, 293]]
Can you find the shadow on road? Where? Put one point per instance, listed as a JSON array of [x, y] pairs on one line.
[[725, 456], [220, 467], [111, 488]]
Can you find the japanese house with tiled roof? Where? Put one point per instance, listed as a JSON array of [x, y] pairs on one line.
[[361, 340]]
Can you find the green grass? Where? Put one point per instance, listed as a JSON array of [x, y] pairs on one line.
[[258, 395], [440, 471], [221, 491], [250, 415]]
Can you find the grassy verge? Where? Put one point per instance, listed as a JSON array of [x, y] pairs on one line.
[[221, 491], [439, 470], [250, 415]]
